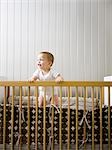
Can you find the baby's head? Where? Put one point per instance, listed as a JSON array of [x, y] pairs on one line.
[[49, 56], [45, 60]]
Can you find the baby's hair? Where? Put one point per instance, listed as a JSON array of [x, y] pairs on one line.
[[49, 56]]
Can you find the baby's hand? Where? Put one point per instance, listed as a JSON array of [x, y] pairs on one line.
[[59, 79], [31, 80], [37, 80]]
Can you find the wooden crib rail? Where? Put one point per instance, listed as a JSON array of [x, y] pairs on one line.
[[85, 89], [52, 83]]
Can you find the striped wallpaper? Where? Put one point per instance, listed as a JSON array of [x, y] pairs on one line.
[[77, 32]]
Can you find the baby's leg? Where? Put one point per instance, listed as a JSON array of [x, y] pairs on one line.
[[40, 99], [56, 100]]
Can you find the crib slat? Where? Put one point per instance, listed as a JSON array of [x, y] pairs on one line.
[[12, 117], [44, 120], [52, 122], [84, 115], [109, 138], [20, 119], [60, 122], [76, 117], [68, 117], [97, 91], [36, 119], [92, 91], [4, 120], [101, 141], [28, 117]]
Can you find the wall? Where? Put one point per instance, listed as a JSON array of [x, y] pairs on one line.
[[77, 32]]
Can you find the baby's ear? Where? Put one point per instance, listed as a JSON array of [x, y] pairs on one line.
[[50, 63]]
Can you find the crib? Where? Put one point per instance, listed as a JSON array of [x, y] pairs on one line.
[[80, 121]]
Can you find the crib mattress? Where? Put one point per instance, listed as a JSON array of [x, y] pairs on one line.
[[64, 102]]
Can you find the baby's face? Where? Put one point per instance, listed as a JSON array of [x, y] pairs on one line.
[[43, 63]]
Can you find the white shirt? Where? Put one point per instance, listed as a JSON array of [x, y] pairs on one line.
[[50, 76]]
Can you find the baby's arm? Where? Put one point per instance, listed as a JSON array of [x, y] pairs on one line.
[[59, 78]]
